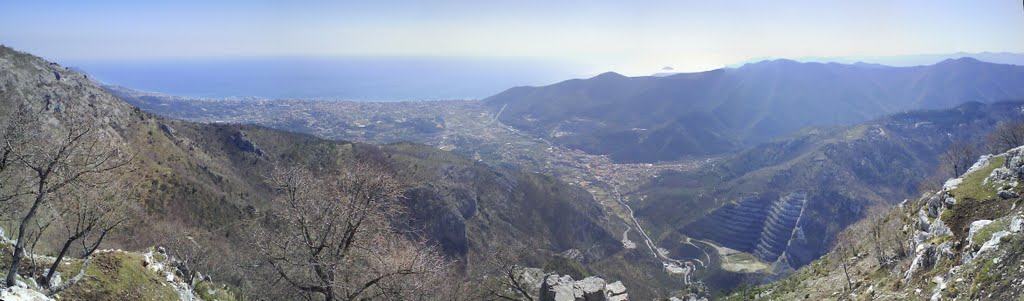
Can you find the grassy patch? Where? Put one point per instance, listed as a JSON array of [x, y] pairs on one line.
[[981, 279], [118, 276], [985, 233], [973, 186], [210, 292], [939, 239]]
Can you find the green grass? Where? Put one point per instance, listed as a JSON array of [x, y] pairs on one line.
[[982, 279], [122, 276], [939, 239], [973, 186], [210, 292], [117, 276], [985, 233]]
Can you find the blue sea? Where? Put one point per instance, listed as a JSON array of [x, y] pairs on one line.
[[348, 78]]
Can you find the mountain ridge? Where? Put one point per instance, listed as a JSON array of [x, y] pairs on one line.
[[647, 119]]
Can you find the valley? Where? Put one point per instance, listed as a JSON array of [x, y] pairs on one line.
[[750, 215], [699, 225], [679, 212], [511, 150], [464, 127]]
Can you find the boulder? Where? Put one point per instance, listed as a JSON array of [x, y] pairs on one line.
[[532, 278], [993, 243], [975, 227], [615, 291], [925, 259], [922, 221], [615, 288], [592, 288], [564, 288], [558, 288], [21, 293], [938, 228]]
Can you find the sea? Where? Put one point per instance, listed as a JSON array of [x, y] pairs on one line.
[[332, 78]]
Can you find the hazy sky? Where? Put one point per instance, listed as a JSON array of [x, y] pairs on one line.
[[626, 36]]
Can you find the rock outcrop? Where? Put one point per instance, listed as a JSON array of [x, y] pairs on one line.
[[554, 287], [244, 144]]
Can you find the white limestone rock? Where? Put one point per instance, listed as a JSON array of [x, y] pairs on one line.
[[615, 288], [939, 228], [17, 293], [993, 243], [592, 288], [975, 227]]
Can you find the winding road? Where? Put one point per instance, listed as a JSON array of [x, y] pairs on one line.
[[685, 267]]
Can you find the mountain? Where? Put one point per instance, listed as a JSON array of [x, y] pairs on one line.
[[962, 242], [1009, 58], [743, 206], [649, 119], [780, 205], [212, 178]]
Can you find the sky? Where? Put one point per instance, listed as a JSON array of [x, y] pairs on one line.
[[631, 37]]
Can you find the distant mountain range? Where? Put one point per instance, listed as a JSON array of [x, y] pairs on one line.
[[648, 119], [1010, 58]]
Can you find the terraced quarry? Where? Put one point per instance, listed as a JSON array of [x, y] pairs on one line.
[[756, 225]]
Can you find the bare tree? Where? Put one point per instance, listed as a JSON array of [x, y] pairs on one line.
[[329, 237], [53, 162], [503, 272], [846, 249], [12, 180], [959, 157], [886, 236], [190, 253], [1005, 136], [844, 253], [87, 212]]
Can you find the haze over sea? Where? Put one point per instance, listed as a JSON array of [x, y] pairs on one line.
[[331, 78]]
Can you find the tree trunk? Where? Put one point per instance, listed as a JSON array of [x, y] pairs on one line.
[[56, 263], [19, 246], [849, 285]]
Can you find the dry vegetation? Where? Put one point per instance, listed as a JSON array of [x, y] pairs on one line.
[[330, 235], [63, 184]]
